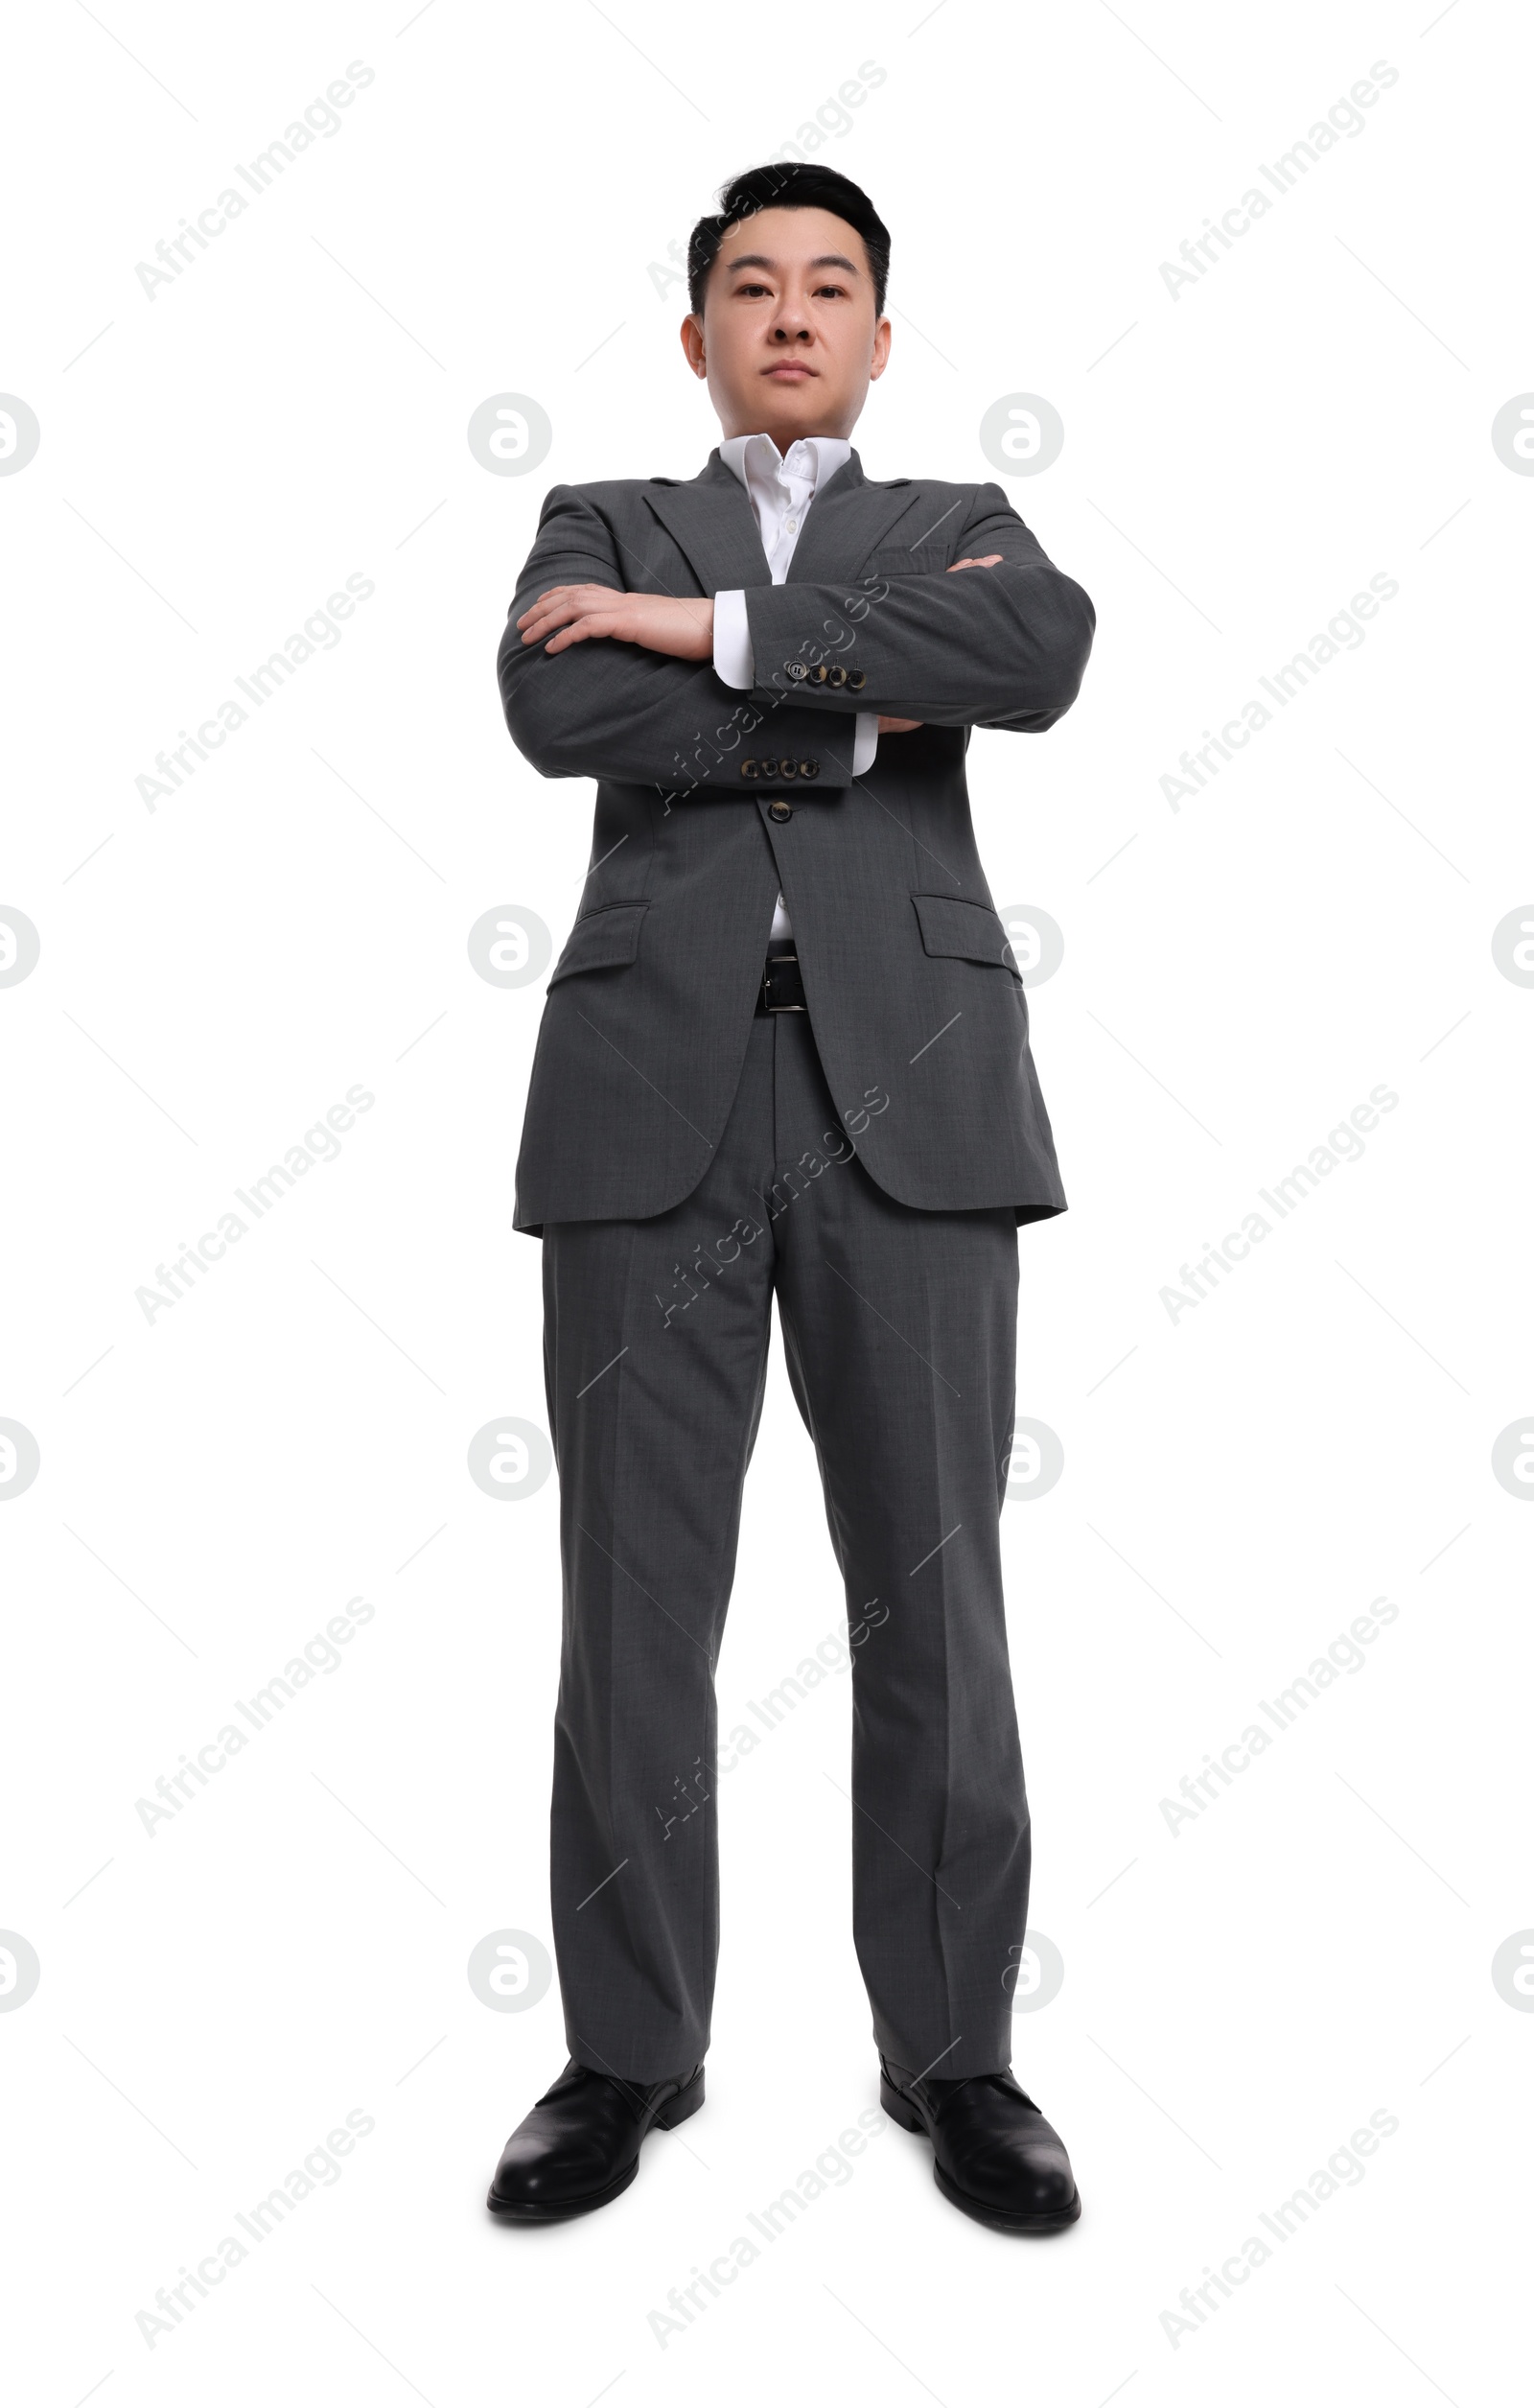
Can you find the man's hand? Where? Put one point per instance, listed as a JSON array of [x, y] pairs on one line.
[[903, 727], [681, 625]]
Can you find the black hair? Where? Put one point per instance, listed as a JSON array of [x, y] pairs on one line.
[[788, 184]]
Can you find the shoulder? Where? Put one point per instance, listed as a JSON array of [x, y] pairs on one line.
[[598, 514], [952, 503], [607, 495]]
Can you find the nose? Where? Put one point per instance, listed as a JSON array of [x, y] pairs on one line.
[[791, 323]]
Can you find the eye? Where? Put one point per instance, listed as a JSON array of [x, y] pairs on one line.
[[837, 291]]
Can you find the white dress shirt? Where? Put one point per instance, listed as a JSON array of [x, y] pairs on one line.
[[780, 492]]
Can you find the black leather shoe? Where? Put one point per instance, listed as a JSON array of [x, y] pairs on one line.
[[580, 2146], [994, 2155]]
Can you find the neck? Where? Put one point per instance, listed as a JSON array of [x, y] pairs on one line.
[[785, 437]]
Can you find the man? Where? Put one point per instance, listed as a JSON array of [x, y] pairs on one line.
[[785, 1051]]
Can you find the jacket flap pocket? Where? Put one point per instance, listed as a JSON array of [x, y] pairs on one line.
[[972, 932], [601, 940]]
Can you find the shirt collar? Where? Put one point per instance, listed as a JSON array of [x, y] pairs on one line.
[[817, 456]]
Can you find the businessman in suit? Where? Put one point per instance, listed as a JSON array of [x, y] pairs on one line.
[[786, 1052]]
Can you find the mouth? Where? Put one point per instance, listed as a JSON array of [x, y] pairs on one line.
[[789, 371]]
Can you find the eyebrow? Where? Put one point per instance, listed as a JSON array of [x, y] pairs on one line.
[[760, 259]]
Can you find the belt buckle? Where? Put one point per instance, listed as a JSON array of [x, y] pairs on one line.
[[766, 986]]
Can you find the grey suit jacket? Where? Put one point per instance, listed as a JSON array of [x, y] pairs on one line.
[[709, 800]]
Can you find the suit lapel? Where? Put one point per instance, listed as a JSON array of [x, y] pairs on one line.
[[714, 525], [847, 518]]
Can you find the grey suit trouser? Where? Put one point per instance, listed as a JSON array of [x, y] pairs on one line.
[[899, 1331]]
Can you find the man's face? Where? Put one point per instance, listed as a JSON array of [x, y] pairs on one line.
[[788, 340]]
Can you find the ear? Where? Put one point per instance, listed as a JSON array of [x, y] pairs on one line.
[[880, 359], [691, 332]]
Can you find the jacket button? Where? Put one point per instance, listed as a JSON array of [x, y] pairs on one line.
[[769, 769], [809, 769], [836, 676], [796, 670], [856, 680], [819, 673], [787, 768], [748, 769], [778, 809]]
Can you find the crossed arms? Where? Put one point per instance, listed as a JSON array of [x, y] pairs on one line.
[[599, 682]]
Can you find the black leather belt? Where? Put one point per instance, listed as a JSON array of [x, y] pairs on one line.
[[782, 990]]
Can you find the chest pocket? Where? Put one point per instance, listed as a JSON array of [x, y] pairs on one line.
[[921, 560]]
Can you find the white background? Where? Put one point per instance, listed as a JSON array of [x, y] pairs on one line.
[[1240, 1483]]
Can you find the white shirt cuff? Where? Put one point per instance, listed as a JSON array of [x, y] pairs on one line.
[[734, 664], [733, 657]]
